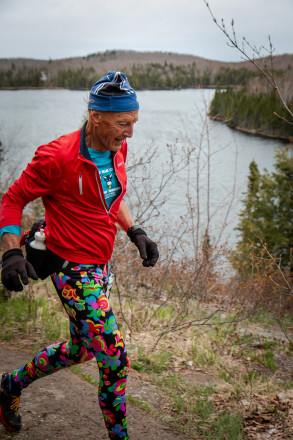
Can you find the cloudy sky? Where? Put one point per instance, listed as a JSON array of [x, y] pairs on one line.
[[67, 28]]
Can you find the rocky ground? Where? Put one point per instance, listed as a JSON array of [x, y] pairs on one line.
[[65, 407]]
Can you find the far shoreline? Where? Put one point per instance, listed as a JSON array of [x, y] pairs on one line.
[[85, 89], [248, 131], [254, 132]]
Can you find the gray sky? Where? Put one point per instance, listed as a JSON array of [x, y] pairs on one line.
[[68, 28]]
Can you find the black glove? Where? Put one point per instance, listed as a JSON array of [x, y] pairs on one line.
[[16, 269], [148, 249]]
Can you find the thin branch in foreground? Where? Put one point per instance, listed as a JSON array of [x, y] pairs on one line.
[[259, 62]]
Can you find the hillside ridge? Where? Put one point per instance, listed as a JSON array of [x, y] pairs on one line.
[[101, 62]]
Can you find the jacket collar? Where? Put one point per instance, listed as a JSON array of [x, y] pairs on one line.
[[83, 150]]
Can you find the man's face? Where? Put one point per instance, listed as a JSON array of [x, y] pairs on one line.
[[112, 128]]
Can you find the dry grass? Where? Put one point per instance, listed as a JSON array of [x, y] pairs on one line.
[[194, 335]]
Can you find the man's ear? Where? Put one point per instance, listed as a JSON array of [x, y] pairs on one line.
[[95, 116]]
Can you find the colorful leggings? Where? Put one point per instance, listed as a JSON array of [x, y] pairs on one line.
[[94, 333]]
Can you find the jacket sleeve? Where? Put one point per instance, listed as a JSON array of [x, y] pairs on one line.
[[37, 180]]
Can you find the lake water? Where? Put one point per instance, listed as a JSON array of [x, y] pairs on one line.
[[29, 118]]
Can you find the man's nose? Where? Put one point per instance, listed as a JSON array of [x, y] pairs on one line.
[[128, 132]]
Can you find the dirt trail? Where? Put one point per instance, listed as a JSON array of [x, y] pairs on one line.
[[65, 407]]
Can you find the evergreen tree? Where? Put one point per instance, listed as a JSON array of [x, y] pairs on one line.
[[267, 217], [283, 189]]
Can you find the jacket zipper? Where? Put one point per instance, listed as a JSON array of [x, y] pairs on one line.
[[101, 194]]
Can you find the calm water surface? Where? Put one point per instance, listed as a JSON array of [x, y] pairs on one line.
[[29, 118]]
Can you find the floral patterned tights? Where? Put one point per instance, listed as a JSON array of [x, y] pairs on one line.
[[94, 333]]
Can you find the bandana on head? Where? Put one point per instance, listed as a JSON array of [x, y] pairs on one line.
[[113, 93]]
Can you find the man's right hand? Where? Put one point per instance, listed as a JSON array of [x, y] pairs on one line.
[[16, 271]]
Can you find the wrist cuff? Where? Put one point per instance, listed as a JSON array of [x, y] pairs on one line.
[[11, 252], [135, 230]]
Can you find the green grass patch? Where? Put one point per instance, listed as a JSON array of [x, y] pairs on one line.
[[90, 379], [166, 313], [226, 426], [204, 356], [193, 411], [137, 402], [263, 316], [152, 362], [203, 408], [28, 315], [15, 314], [263, 352], [266, 358], [77, 370]]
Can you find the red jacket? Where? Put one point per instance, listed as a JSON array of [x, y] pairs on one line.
[[80, 227]]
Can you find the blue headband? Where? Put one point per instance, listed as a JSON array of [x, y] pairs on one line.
[[113, 93]]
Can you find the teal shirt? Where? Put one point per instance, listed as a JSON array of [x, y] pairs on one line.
[[110, 183]]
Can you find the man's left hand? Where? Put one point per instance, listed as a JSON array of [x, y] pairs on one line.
[[148, 249]]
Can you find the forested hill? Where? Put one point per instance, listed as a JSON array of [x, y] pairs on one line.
[[150, 70]]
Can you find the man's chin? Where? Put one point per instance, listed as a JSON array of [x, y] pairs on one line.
[[114, 148], [116, 145]]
